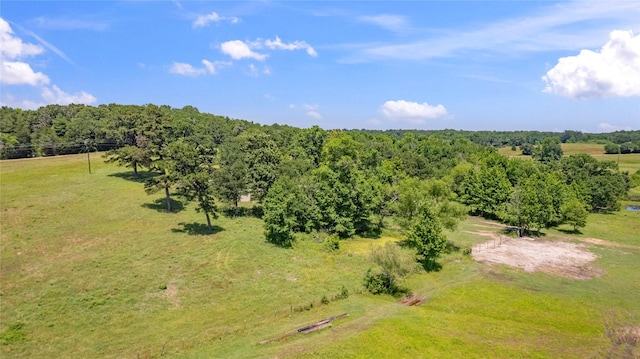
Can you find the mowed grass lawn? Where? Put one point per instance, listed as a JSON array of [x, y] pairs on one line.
[[92, 267]]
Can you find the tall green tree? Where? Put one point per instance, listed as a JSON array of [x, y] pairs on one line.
[[280, 219], [427, 238], [232, 180], [193, 172]]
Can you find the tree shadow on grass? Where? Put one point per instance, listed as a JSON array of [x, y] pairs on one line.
[[197, 229], [569, 231], [129, 176], [160, 205]]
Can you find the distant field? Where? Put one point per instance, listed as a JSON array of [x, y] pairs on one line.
[[92, 267], [628, 162], [592, 149]]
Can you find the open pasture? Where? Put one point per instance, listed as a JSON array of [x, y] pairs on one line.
[[93, 267]]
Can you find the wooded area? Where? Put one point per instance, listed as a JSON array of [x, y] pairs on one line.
[[339, 182]]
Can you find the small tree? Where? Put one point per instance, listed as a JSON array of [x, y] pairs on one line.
[[575, 213], [394, 264], [527, 149], [427, 238], [549, 150], [611, 148]]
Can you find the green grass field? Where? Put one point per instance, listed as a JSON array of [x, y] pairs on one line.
[[92, 267], [628, 162]]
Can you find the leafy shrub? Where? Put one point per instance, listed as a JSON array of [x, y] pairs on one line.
[[324, 300], [331, 243], [377, 283], [611, 148]]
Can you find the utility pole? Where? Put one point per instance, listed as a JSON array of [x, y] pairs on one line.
[[86, 148]]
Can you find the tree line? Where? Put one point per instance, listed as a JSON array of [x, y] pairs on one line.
[[342, 183]]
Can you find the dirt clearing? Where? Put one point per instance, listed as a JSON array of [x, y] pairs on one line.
[[553, 257]]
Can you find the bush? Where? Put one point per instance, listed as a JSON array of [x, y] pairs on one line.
[[331, 243], [377, 283], [611, 148]]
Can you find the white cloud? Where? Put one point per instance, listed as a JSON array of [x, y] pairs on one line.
[[57, 96], [20, 73], [277, 44], [205, 20], [551, 28], [314, 114], [613, 71], [210, 67], [253, 70], [239, 50], [10, 101], [607, 127], [310, 107], [387, 21], [292, 106], [181, 68], [412, 111], [66, 24], [12, 47], [266, 70]]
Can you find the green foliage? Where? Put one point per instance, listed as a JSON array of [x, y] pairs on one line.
[[487, 189], [527, 149], [548, 151], [427, 238], [575, 213], [279, 214], [331, 243], [7, 142], [611, 148], [377, 283]]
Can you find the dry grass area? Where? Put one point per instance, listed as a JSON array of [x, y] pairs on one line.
[[554, 257]]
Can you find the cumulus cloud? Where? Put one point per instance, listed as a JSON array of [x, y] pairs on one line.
[[205, 20], [12, 46], [20, 73], [57, 96], [181, 68], [277, 44], [612, 71], [411, 111], [239, 50], [14, 72]]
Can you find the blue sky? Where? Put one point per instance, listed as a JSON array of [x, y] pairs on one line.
[[476, 65]]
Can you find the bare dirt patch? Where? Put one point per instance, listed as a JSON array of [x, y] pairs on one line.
[[170, 293], [559, 258]]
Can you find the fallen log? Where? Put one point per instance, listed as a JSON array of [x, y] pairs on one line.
[[307, 328]]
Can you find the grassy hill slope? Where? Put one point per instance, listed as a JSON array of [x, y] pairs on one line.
[[93, 267]]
